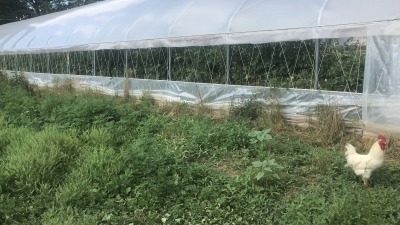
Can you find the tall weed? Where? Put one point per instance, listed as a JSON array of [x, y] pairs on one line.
[[68, 216], [33, 164], [90, 182], [79, 112], [41, 157], [89, 159], [348, 204]]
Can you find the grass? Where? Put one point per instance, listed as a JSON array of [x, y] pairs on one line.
[[69, 157]]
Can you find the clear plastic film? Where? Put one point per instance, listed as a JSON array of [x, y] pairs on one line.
[[381, 97], [294, 102], [129, 24]]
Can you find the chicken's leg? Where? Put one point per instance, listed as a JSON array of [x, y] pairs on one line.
[[365, 182]]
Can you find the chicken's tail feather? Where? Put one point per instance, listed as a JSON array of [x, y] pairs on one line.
[[350, 149]]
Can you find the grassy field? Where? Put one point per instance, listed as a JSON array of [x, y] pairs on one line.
[[82, 158]]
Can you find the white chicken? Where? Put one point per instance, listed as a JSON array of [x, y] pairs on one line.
[[364, 165]]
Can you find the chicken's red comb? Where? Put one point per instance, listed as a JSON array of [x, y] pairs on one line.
[[381, 137]]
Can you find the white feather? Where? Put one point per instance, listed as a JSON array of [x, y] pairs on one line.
[[364, 165]]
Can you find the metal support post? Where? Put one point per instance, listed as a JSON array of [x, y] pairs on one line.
[[169, 64], [68, 64], [126, 63], [316, 64], [94, 63], [48, 63], [228, 64]]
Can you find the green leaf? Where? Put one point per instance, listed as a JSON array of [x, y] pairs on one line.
[[259, 175], [268, 137], [253, 141], [276, 176], [268, 169], [266, 130], [253, 133], [257, 164]]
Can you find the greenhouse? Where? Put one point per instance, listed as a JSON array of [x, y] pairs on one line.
[[298, 53]]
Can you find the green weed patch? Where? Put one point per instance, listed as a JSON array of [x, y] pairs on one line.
[[82, 158]]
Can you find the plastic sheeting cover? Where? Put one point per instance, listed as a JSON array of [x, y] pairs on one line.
[[125, 24], [295, 102], [381, 105]]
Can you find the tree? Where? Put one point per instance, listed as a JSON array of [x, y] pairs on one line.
[[15, 10], [42, 7], [35, 5], [12, 10]]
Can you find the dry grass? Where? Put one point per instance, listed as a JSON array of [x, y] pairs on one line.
[[127, 84], [66, 85], [328, 125], [279, 123], [229, 166], [185, 109], [176, 109], [393, 148], [260, 115]]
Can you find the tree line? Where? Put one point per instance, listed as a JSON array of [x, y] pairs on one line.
[[16, 10]]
